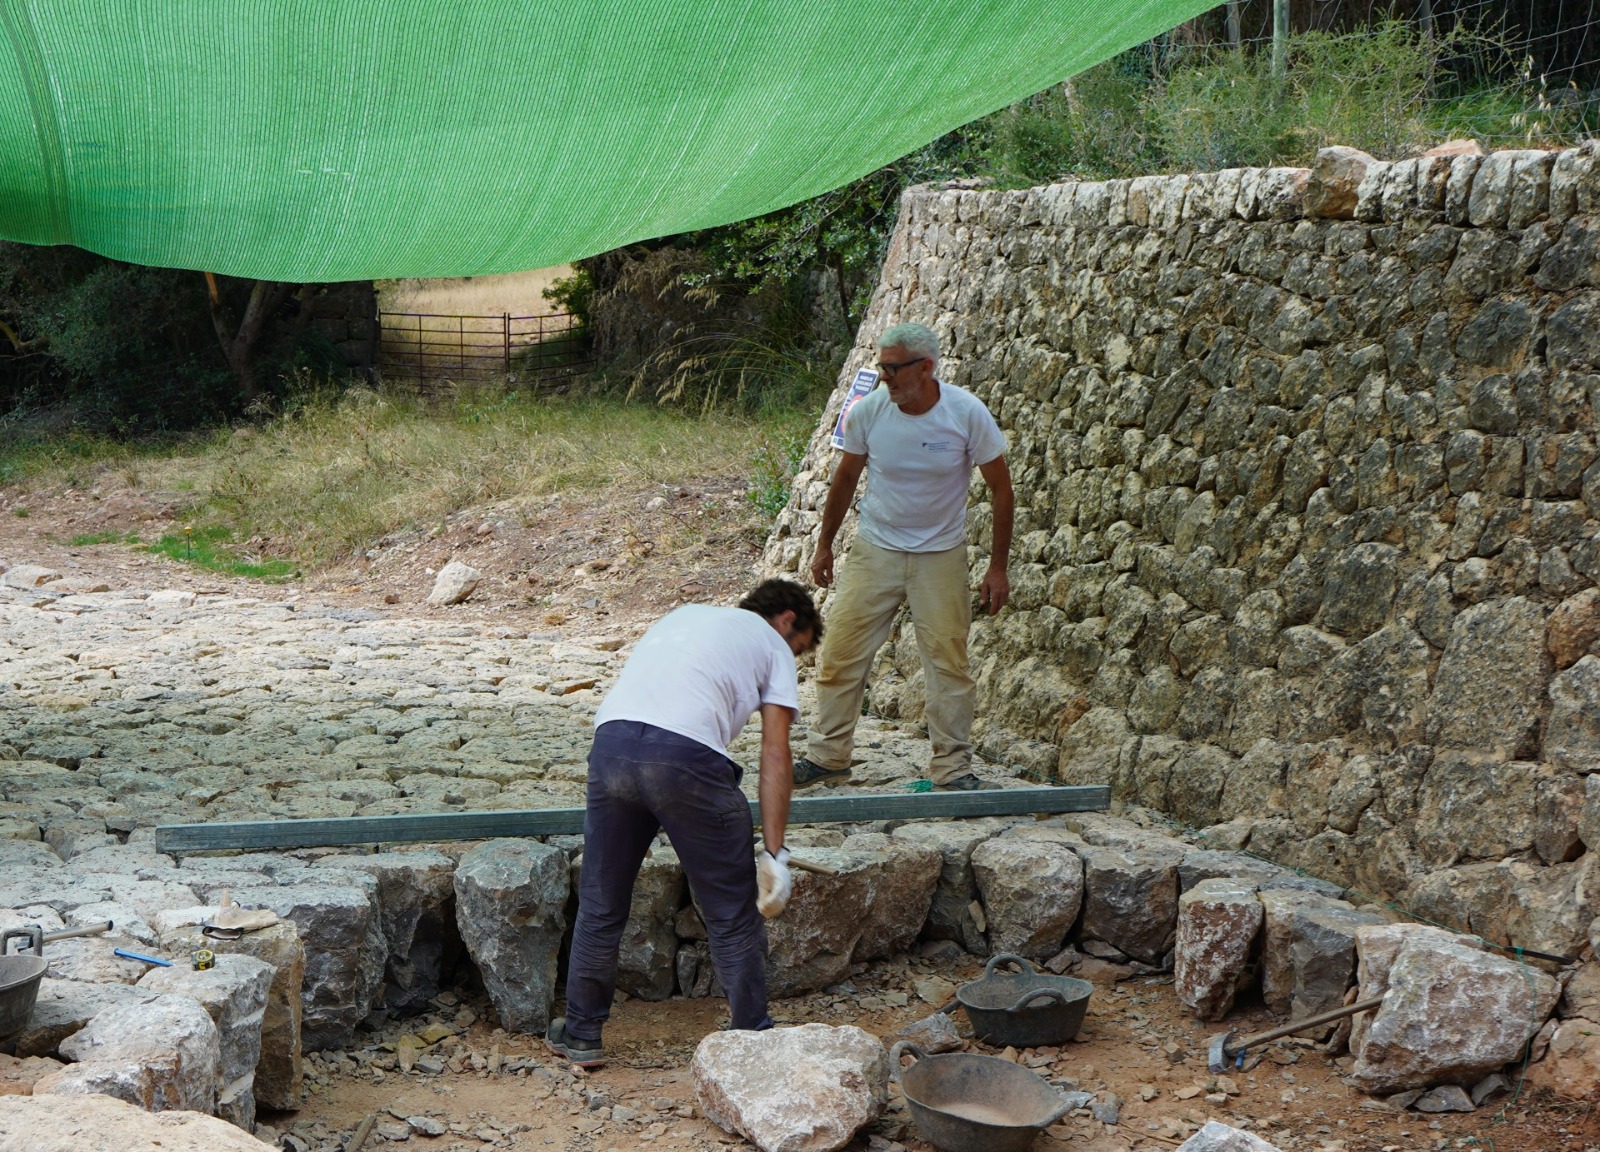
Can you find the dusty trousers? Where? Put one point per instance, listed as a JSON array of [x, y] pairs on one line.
[[642, 779], [873, 583]]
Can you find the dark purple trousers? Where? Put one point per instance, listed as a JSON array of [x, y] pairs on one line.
[[643, 779]]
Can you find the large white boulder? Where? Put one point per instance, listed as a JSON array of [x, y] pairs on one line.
[[1451, 1013], [805, 1089], [162, 1056], [454, 583]]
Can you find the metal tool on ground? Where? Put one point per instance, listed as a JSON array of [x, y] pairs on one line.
[[1225, 1051], [143, 959], [1024, 1010], [204, 960], [962, 1102], [81, 930]]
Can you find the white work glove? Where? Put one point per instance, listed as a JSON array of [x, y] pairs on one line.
[[773, 882]]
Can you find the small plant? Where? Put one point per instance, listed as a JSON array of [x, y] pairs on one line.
[[22, 512], [774, 464], [206, 548]]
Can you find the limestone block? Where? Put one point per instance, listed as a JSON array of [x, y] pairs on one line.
[[234, 994], [646, 963], [1490, 202], [102, 1124], [1530, 188], [1279, 907], [1032, 892], [805, 1089], [454, 583], [1131, 900], [950, 916], [902, 884], [877, 900], [1322, 956], [1572, 738], [279, 1072], [344, 954], [511, 898], [1560, 806], [1489, 687], [1218, 921], [161, 1055], [1215, 1136], [1573, 628], [416, 912], [1571, 168], [66, 1006], [1451, 1013]]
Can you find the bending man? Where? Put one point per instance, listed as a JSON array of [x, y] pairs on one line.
[[659, 760], [920, 438]]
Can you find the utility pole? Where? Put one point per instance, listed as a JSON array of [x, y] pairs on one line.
[[1233, 23], [1280, 41], [1425, 17]]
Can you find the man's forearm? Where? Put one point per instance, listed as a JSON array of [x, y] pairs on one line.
[[777, 780], [1004, 515], [833, 510]]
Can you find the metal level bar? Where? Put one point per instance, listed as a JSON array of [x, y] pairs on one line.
[[433, 827]]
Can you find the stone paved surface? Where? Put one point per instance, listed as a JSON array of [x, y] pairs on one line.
[[125, 709]]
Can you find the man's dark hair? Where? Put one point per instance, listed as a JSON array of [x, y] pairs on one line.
[[773, 597]]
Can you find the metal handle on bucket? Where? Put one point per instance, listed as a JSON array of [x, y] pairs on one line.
[[33, 934], [1031, 997], [901, 1048], [1009, 958]]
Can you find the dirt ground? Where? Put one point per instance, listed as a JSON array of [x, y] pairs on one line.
[[582, 564]]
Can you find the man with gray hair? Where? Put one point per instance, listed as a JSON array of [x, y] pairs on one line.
[[921, 437]]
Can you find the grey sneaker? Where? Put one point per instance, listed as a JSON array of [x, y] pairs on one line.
[[583, 1053], [809, 772], [968, 783]]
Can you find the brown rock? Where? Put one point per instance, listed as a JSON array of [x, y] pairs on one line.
[[1217, 925], [1335, 176], [1455, 148], [1571, 1066], [17, 1077], [1573, 628]]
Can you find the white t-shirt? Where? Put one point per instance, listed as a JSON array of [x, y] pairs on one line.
[[701, 672], [919, 467]]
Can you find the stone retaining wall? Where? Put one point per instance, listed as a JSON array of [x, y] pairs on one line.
[[1306, 535]]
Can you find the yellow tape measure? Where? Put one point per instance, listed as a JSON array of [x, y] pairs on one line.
[[204, 958]]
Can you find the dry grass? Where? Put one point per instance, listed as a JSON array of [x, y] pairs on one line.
[[336, 474], [519, 293]]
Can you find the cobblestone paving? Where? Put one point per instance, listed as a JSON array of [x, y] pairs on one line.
[[126, 709]]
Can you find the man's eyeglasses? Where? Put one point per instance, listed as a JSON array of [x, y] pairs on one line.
[[891, 369]]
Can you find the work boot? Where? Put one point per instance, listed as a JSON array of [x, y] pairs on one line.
[[583, 1053], [809, 772], [971, 782]]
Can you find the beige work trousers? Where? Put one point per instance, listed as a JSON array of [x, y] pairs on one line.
[[873, 583]]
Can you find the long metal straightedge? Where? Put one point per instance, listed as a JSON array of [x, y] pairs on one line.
[[431, 828]]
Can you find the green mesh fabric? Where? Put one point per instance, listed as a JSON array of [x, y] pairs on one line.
[[315, 140]]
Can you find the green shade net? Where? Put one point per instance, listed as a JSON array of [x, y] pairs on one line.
[[314, 140]]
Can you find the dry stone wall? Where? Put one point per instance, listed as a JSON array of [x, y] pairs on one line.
[[1306, 533]]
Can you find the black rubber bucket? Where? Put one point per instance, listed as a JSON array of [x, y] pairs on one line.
[[1026, 1010]]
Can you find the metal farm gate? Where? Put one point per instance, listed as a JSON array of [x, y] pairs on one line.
[[431, 348]]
